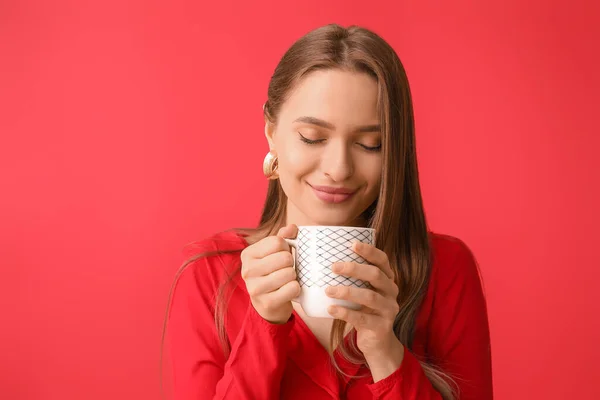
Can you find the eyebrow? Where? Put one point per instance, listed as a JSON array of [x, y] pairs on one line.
[[328, 125]]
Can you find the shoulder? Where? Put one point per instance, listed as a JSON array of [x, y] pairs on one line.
[[453, 261], [209, 262], [446, 247], [221, 242]]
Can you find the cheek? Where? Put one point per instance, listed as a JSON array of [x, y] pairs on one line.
[[296, 161], [377, 175], [371, 171]]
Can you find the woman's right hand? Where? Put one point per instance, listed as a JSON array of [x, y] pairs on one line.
[[268, 270]]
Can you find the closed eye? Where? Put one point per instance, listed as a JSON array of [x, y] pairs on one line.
[[309, 141], [370, 148]]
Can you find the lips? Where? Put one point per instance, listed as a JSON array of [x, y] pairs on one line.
[[331, 194]]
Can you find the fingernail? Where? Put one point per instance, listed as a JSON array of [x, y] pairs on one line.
[[331, 290], [356, 245], [333, 310], [337, 267]]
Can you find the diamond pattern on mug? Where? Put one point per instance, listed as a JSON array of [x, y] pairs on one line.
[[335, 247], [302, 263]]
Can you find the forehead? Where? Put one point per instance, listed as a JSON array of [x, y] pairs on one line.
[[341, 97]]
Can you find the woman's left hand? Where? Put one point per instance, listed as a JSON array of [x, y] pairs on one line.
[[374, 322]]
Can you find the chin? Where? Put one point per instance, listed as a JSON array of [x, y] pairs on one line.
[[332, 220]]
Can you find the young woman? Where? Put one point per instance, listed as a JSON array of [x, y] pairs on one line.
[[339, 124]]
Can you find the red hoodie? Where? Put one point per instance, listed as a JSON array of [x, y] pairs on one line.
[[286, 361]]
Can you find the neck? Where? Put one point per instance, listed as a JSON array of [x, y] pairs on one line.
[[295, 216]]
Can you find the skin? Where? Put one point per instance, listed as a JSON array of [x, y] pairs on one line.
[[345, 153]]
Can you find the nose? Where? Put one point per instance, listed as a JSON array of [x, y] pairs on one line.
[[337, 162]]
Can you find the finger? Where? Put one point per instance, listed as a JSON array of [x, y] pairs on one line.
[[357, 318], [374, 256], [269, 264], [365, 297], [267, 246], [366, 272], [288, 232], [284, 294], [271, 282]]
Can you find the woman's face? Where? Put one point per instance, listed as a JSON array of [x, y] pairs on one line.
[[328, 141]]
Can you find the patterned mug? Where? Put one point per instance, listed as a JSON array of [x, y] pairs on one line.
[[317, 248]]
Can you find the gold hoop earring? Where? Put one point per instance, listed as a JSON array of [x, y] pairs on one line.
[[270, 165]]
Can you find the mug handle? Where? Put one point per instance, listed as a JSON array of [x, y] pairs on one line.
[[294, 243]]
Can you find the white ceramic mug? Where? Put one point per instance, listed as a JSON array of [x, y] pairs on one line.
[[317, 248]]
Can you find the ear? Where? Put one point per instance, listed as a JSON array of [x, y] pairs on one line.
[[270, 133]]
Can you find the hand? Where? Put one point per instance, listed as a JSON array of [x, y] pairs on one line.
[[374, 322], [268, 270]]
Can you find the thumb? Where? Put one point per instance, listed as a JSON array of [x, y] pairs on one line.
[[289, 231]]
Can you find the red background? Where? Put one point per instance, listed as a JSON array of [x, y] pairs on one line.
[[131, 128]]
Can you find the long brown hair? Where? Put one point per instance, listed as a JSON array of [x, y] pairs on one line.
[[397, 215]]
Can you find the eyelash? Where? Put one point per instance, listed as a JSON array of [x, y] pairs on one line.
[[309, 141]]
